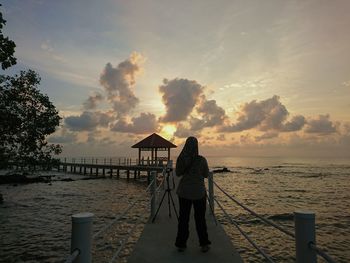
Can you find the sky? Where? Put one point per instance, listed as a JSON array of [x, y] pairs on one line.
[[247, 78]]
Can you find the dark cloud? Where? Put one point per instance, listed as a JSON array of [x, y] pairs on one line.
[[118, 82], [88, 121], [184, 132], [263, 115], [91, 102], [245, 138], [321, 125], [64, 137], [179, 97], [265, 136], [212, 115], [221, 137], [295, 124], [145, 123]]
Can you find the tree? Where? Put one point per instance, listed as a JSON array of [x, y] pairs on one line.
[[7, 48], [26, 117]]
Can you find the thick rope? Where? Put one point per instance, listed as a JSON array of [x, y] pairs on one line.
[[245, 234], [122, 214], [73, 256], [321, 253], [255, 214], [124, 240]]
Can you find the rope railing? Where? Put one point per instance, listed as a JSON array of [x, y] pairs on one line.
[[122, 214], [73, 256], [115, 220], [124, 240], [298, 237], [269, 222], [244, 233], [130, 232], [81, 234], [321, 253]]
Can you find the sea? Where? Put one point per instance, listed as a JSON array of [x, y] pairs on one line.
[[35, 219]]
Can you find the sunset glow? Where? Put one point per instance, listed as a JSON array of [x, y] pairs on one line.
[[168, 131], [248, 77]]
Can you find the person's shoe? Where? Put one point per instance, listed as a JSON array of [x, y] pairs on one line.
[[181, 249], [205, 248]]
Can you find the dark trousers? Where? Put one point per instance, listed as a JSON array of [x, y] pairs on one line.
[[199, 217]]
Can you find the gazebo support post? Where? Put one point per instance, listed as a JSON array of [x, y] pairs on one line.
[[139, 156], [152, 156], [155, 158]]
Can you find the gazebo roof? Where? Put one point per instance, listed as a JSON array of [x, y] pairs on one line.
[[154, 141]]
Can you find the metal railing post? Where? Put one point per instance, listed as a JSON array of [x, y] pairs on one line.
[[82, 236], [305, 234], [211, 192], [153, 193]]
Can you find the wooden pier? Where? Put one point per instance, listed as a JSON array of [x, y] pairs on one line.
[[156, 243], [105, 167]]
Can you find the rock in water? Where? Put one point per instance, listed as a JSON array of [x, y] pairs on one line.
[[222, 170]]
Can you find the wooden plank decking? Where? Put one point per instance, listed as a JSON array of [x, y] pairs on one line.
[[156, 243]]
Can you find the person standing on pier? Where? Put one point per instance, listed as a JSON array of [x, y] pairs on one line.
[[192, 168]]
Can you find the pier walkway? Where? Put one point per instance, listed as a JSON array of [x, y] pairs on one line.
[[156, 243]]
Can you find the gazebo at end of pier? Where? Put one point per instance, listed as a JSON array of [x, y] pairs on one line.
[[154, 143]]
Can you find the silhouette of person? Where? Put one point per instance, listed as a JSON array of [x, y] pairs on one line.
[[192, 168]]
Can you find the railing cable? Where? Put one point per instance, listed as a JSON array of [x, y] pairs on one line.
[[122, 214], [321, 253], [255, 214], [244, 234], [124, 240], [115, 220], [73, 256]]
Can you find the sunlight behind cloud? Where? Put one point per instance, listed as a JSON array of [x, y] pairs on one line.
[[168, 131]]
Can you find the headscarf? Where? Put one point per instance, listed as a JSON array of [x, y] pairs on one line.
[[187, 155]]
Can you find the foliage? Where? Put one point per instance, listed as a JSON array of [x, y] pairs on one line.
[[7, 48], [26, 117]]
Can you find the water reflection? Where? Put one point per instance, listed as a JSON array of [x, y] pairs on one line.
[[35, 218]]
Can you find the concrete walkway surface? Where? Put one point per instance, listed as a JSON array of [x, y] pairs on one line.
[[156, 243]]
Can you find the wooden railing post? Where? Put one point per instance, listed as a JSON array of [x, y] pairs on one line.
[[305, 234]]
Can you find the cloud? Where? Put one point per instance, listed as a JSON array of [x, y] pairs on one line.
[[321, 125], [346, 83], [179, 97], [245, 138], [267, 135], [91, 102], [212, 115], [88, 121], [145, 123], [183, 132], [64, 137], [264, 115], [295, 124], [221, 137], [118, 82], [47, 47]]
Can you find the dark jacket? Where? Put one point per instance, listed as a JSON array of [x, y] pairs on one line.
[[191, 184]]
